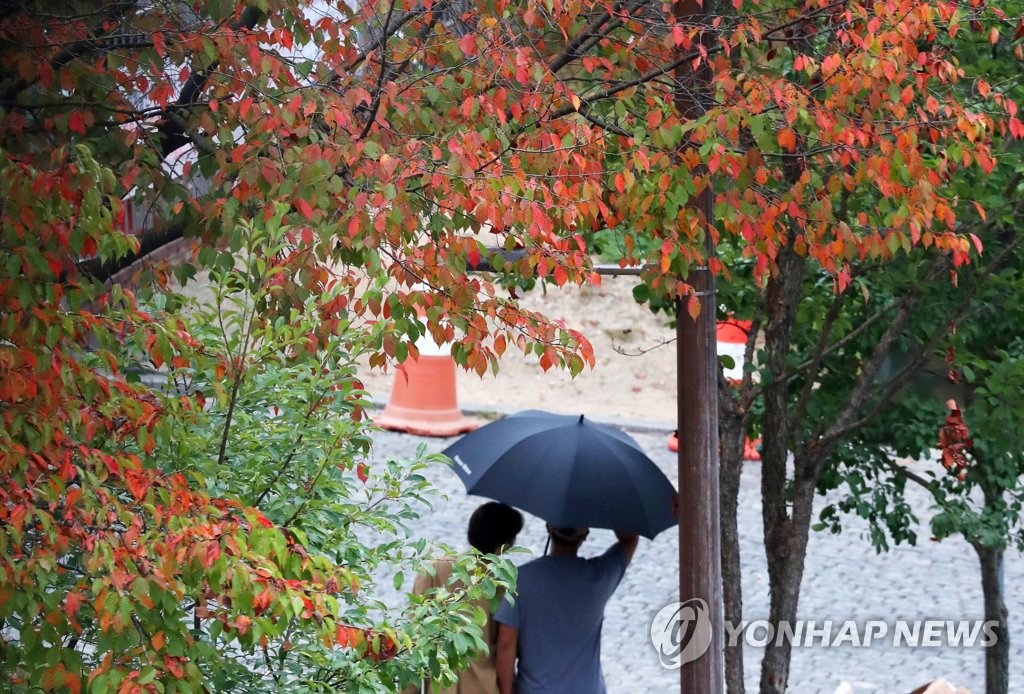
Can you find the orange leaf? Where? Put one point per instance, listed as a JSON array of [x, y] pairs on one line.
[[261, 602], [787, 139], [242, 623], [693, 306]]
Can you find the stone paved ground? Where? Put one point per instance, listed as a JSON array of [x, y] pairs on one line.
[[844, 580]]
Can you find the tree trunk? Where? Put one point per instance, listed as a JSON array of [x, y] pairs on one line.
[[732, 429], [786, 551], [997, 655], [784, 544]]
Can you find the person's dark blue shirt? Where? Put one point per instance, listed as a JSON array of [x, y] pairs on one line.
[[558, 610]]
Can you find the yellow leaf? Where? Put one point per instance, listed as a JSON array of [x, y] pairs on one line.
[[575, 101]]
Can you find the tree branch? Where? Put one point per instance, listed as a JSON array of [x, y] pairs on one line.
[[909, 474], [684, 59], [375, 106], [114, 14], [814, 363], [845, 423], [173, 129]]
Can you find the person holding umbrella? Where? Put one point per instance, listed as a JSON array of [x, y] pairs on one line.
[[575, 474], [553, 628]]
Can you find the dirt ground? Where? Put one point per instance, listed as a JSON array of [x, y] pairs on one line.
[[633, 380]]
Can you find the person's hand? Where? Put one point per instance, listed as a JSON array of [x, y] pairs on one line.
[[505, 658], [628, 543]]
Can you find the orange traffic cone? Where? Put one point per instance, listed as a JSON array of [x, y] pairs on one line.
[[423, 400], [732, 330], [731, 339], [750, 451]]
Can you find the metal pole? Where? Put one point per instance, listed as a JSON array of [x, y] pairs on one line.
[[700, 561]]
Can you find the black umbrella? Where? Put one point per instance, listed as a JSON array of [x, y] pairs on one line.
[[567, 470]]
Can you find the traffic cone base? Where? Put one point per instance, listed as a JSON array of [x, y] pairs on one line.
[[750, 451], [423, 399]]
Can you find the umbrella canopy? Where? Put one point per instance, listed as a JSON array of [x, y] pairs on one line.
[[567, 470]]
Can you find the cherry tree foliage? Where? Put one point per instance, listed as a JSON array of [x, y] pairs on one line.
[[353, 163]]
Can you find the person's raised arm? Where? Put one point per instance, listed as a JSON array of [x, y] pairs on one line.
[[628, 543], [505, 658]]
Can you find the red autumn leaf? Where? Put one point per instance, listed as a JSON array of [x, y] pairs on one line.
[[173, 665], [211, 555], [304, 209], [138, 481], [348, 637], [72, 603], [380, 646], [76, 123], [261, 602], [363, 472]]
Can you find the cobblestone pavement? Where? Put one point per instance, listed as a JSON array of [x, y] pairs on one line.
[[844, 579]]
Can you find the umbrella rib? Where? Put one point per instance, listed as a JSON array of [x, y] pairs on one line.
[[629, 475]]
